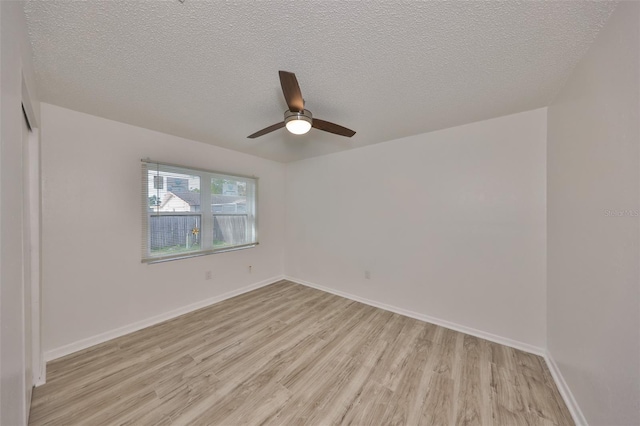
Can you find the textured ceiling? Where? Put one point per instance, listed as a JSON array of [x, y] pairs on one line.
[[209, 70]]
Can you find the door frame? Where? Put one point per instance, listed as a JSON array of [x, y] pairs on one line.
[[32, 190]]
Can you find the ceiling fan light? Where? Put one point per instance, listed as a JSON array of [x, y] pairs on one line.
[[298, 127], [298, 123]]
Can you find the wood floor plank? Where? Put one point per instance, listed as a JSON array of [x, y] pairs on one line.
[[469, 408], [407, 400], [289, 354], [438, 407]]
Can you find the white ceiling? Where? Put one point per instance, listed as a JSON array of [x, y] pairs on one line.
[[208, 71]]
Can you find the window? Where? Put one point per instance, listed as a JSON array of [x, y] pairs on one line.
[[190, 212]]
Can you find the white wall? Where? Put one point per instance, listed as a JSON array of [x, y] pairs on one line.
[[15, 56], [450, 224], [593, 172], [93, 281]]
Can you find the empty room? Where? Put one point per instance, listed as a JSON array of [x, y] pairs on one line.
[[319, 212]]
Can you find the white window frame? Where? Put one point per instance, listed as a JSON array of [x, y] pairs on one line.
[[206, 212]]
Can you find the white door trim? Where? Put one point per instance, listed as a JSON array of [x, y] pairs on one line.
[[33, 183], [32, 190]]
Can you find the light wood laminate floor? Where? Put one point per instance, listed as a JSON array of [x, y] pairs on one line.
[[286, 354]]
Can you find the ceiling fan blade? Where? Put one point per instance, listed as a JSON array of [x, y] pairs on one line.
[[291, 91], [327, 126], [266, 130]]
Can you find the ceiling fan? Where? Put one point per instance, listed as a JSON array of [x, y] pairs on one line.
[[297, 119]]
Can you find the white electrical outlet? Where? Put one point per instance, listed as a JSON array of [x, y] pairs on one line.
[[208, 275], [367, 275]]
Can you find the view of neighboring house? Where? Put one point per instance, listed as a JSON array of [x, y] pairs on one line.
[[189, 201], [183, 201]]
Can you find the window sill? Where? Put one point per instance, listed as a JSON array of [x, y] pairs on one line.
[[160, 259]]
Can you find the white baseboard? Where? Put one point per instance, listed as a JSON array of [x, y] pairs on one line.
[[130, 328], [572, 404], [426, 318]]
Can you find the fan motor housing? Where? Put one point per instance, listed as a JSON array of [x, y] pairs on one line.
[[304, 115]]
